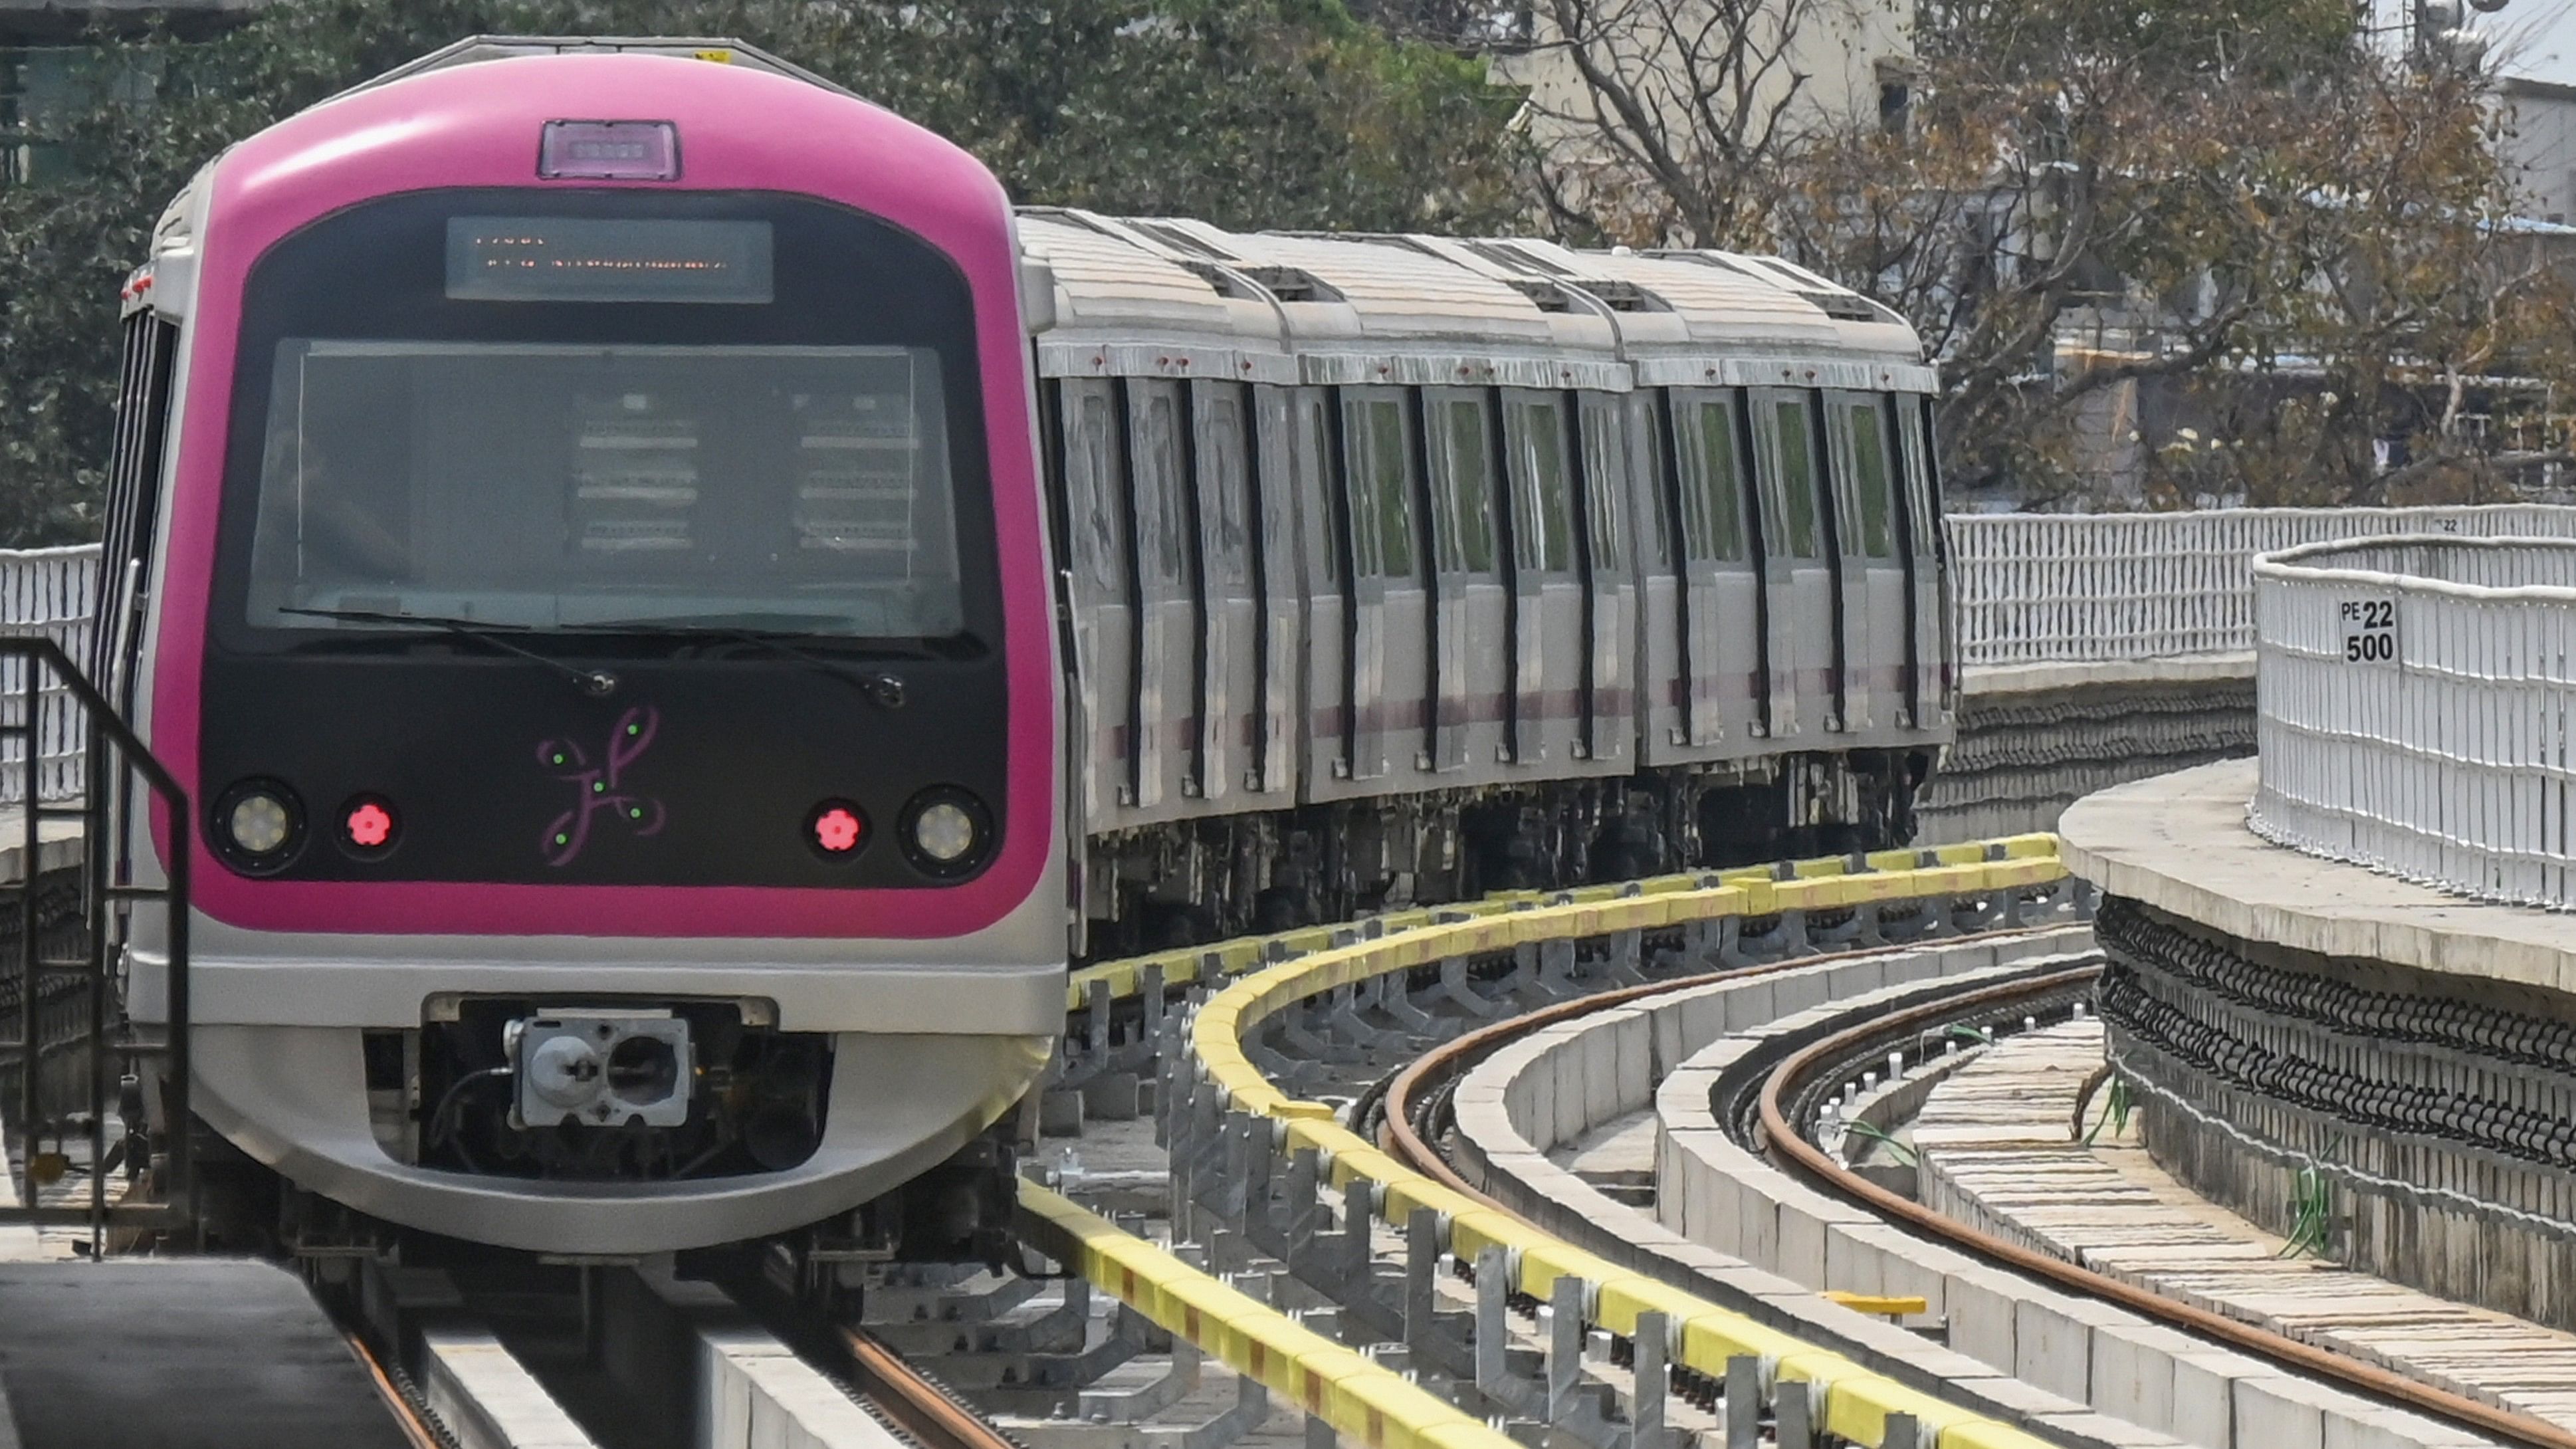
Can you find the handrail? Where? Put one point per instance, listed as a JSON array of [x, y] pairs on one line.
[[36, 658]]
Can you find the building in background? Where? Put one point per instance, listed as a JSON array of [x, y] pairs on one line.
[[1754, 65], [2539, 143]]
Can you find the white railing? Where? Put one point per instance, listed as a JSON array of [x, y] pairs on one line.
[[2102, 587], [47, 591], [2415, 710]]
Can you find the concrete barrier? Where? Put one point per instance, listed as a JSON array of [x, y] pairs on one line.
[[1732, 1223]]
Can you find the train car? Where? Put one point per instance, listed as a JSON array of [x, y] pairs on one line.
[[677, 626], [578, 538], [1403, 568]]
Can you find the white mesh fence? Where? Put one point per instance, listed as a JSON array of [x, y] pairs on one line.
[[49, 592], [2416, 707], [2102, 587]]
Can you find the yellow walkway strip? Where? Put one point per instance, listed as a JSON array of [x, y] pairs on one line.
[[1231, 958], [1855, 1402], [1372, 1404]]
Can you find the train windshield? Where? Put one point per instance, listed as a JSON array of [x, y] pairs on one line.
[[804, 489]]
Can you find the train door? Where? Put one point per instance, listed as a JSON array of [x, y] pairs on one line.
[[1275, 557], [1469, 598], [1723, 607], [124, 580], [1797, 571], [134, 488], [1662, 653], [1389, 667], [1609, 594], [1547, 600], [1324, 536], [1873, 581], [1229, 674], [1094, 468], [1167, 632], [1928, 659]]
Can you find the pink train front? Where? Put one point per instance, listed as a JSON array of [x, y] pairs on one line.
[[578, 538]]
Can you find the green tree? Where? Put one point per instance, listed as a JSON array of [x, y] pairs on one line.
[[1249, 113], [2108, 223]]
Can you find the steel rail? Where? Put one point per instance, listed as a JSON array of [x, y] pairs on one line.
[[1789, 1147], [918, 1405], [1401, 1135], [407, 1413]]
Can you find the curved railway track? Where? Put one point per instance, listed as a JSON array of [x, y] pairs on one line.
[[1769, 1101]]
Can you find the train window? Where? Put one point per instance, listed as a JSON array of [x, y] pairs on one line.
[[1712, 476], [1381, 485], [1463, 437], [1605, 471], [1646, 443], [1921, 505], [1871, 486], [1091, 469], [1275, 502], [1225, 486], [1157, 475], [1794, 448], [1535, 429], [1315, 451], [546, 484]]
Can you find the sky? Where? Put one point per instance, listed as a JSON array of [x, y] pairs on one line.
[[2535, 38]]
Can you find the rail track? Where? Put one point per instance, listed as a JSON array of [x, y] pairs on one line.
[[705, 1366], [917, 1404], [1374, 1025], [419, 1424], [1777, 1110], [1771, 1101]]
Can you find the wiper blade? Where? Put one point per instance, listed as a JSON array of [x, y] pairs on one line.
[[888, 691], [594, 682], [688, 627]]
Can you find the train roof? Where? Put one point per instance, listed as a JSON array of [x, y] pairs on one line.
[[721, 50], [1167, 296]]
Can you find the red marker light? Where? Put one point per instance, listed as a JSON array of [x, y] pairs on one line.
[[368, 826], [837, 830]]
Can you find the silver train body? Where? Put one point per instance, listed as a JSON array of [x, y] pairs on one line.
[[1316, 574], [1404, 567]]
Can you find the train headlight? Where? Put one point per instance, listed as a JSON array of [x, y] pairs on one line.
[[947, 831], [258, 826]]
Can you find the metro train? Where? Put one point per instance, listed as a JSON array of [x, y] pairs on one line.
[[585, 523]]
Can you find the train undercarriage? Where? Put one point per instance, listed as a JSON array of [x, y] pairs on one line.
[[1197, 881]]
